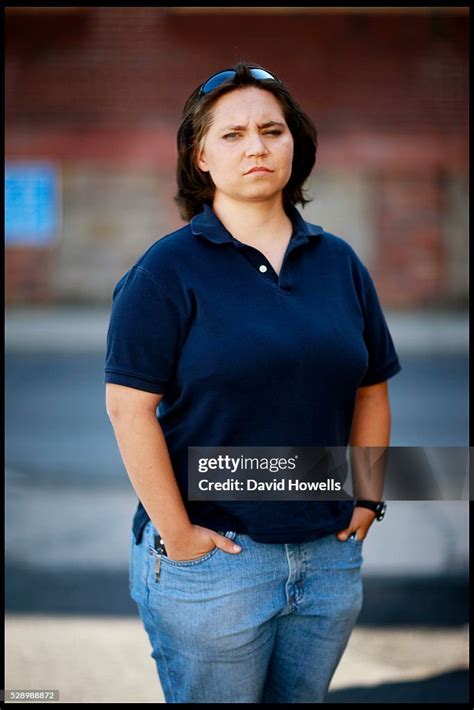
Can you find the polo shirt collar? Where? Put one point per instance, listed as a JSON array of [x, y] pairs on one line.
[[207, 224]]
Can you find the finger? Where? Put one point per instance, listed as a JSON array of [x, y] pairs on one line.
[[225, 544], [344, 534]]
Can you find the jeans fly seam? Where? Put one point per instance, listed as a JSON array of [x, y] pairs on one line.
[[289, 574]]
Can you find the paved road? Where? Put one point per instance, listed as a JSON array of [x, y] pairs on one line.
[[64, 469], [64, 473], [57, 427]]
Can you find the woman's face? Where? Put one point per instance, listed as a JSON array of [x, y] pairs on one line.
[[247, 130]]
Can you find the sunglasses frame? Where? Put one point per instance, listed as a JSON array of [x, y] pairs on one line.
[[230, 74]]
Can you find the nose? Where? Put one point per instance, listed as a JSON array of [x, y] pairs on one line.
[[255, 145]]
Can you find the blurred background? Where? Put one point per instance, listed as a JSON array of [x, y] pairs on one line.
[[93, 102]]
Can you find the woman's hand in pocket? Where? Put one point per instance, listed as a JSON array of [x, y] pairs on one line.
[[362, 519], [197, 542]]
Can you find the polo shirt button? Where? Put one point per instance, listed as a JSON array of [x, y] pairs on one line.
[[262, 268]]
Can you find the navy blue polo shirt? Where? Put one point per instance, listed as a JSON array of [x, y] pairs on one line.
[[247, 357]]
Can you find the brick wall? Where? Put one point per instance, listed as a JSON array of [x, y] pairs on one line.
[[100, 90]]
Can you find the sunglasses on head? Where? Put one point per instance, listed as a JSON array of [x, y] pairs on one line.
[[217, 79]]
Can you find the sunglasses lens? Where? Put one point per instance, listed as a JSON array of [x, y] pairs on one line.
[[217, 80], [261, 74], [214, 81]]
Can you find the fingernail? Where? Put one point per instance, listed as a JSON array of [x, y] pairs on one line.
[[236, 548]]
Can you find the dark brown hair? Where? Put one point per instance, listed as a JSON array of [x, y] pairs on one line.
[[196, 187]]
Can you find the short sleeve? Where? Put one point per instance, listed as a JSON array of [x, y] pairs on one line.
[[383, 359], [144, 334]]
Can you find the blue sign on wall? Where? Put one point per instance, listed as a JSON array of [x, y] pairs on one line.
[[31, 203]]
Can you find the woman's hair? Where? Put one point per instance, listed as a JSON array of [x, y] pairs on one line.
[[195, 187]]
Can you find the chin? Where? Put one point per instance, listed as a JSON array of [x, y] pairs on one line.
[[261, 192]]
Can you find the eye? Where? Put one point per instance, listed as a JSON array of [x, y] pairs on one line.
[[234, 134]]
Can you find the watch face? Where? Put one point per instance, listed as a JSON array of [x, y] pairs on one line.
[[381, 511]]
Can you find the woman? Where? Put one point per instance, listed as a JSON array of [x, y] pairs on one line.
[[249, 327]]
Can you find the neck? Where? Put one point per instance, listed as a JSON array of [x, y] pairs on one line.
[[252, 218]]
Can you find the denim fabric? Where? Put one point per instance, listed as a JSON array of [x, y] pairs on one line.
[[268, 624]]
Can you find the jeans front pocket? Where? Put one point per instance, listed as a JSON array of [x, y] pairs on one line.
[[178, 578]]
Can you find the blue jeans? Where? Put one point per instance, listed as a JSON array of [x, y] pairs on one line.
[[268, 624]]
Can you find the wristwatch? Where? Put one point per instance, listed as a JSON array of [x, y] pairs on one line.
[[379, 508]]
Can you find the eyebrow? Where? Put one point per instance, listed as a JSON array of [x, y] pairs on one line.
[[267, 124]]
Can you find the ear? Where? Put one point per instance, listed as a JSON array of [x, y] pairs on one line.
[[201, 161]]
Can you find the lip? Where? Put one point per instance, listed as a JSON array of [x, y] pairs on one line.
[[259, 169]]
